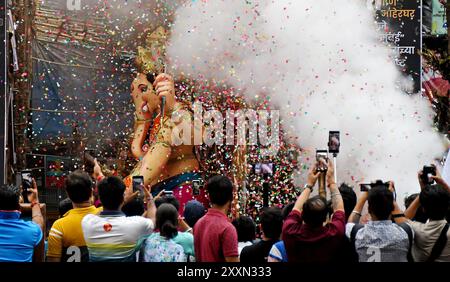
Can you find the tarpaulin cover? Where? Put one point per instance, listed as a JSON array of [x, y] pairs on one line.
[[81, 75]]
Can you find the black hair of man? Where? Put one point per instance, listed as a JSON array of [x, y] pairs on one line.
[[134, 207], [246, 228], [408, 200], [287, 210], [79, 186], [349, 198], [111, 192], [220, 190], [193, 211], [435, 201], [271, 222], [64, 206], [9, 198], [420, 214], [381, 202], [167, 220], [315, 211], [167, 199]]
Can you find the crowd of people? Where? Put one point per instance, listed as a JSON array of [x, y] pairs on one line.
[[122, 226]]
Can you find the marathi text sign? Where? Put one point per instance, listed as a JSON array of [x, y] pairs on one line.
[[399, 24]]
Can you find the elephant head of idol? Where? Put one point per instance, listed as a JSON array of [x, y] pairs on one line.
[[149, 62]]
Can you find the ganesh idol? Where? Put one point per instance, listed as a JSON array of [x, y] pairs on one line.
[[162, 164]]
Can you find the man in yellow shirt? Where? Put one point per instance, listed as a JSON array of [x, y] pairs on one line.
[[66, 241]]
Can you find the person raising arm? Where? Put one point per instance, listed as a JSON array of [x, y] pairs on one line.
[[36, 214], [337, 202], [313, 175]]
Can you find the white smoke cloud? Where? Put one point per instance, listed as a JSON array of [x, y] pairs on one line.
[[321, 64]]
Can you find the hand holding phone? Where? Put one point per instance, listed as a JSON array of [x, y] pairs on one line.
[[322, 160], [27, 183], [364, 187], [427, 172], [263, 168], [196, 187], [88, 160], [381, 183], [168, 193], [27, 179], [138, 185]]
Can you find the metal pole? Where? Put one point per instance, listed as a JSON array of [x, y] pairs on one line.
[[335, 167], [3, 92], [13, 144], [421, 47], [265, 191], [322, 185]]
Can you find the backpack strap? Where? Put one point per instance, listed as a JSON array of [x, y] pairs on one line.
[[353, 233], [408, 231], [439, 245], [355, 230]]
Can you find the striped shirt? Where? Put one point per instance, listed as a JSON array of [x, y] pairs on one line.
[[66, 239], [111, 236]]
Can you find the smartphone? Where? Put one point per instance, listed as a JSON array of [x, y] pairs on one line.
[[264, 168], [168, 193], [322, 160], [364, 187], [334, 142], [27, 182], [427, 171], [138, 184], [196, 187], [89, 154], [380, 183], [88, 159]]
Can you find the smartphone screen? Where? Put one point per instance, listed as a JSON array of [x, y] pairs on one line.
[[138, 183], [364, 187], [427, 172], [88, 160], [322, 160], [334, 141], [264, 168], [168, 193], [196, 187], [27, 182], [26, 179]]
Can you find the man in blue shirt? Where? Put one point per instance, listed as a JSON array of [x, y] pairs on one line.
[[19, 238]]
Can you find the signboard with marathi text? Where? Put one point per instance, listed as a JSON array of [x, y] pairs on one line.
[[399, 24]]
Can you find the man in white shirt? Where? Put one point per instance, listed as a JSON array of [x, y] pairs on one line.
[[111, 236]]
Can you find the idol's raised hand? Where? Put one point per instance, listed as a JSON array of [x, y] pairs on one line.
[[165, 86]]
